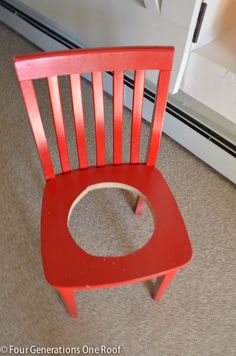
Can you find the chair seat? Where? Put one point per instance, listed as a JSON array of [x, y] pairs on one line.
[[67, 265]]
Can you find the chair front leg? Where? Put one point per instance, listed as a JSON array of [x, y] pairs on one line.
[[68, 297], [161, 286], [139, 206]]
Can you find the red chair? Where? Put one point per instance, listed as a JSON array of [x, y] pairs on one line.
[[67, 267]]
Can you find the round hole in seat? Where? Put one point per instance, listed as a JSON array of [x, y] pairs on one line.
[[102, 221]]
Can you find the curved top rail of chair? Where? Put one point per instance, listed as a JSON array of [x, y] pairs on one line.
[[48, 64]]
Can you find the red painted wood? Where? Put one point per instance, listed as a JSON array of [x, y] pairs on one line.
[[118, 98], [32, 109], [67, 265], [68, 297], [97, 83], [77, 104], [117, 60], [140, 206], [54, 94], [158, 116], [160, 288], [137, 115], [48, 64]]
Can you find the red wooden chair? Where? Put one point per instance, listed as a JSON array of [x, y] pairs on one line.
[[67, 267]]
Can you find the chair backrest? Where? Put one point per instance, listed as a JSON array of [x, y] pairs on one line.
[[95, 61]]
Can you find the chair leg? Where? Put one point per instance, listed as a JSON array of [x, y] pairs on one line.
[[160, 286], [139, 206], [68, 297]]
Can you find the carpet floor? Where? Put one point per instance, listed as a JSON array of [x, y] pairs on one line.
[[197, 314]]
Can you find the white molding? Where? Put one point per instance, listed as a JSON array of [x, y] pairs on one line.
[[29, 32]]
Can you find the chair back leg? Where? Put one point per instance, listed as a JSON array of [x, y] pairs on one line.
[[139, 206]]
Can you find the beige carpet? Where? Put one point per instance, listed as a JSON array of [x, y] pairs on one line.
[[197, 314]]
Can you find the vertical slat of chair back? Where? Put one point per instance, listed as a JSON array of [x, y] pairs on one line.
[[137, 115], [118, 98], [95, 61], [54, 94], [158, 116], [97, 83], [37, 127], [77, 104]]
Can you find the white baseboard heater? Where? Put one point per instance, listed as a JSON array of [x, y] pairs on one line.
[[199, 139]]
